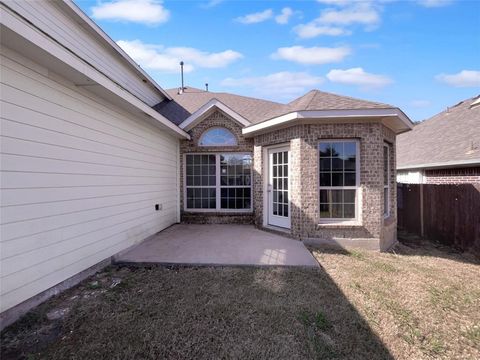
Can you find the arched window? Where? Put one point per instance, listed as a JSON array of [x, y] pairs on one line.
[[217, 137]]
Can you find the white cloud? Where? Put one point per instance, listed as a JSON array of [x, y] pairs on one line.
[[158, 57], [283, 84], [312, 55], [465, 78], [312, 29], [334, 21], [361, 13], [420, 103], [434, 3], [284, 17], [357, 76], [150, 12], [335, 2], [255, 17], [212, 3]]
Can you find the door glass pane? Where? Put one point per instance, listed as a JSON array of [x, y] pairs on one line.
[[279, 168]]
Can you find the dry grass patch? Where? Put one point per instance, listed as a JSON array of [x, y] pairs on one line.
[[423, 301], [418, 303]]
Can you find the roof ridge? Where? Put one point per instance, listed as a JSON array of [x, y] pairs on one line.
[[314, 94], [354, 98]]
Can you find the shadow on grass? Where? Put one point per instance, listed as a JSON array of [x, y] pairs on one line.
[[204, 313]]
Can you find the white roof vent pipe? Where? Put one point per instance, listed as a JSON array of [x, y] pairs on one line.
[[180, 90]]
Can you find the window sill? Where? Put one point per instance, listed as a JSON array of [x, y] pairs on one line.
[[339, 225]]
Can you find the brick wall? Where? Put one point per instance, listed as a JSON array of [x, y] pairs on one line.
[[453, 176], [304, 179], [303, 141], [216, 119]]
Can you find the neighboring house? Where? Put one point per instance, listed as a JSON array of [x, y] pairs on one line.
[[444, 149], [96, 157]]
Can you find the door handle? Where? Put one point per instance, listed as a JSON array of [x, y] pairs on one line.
[[269, 188]]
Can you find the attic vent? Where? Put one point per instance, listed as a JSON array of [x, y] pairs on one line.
[[475, 102]]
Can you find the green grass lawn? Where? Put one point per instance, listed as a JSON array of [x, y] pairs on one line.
[[415, 303]]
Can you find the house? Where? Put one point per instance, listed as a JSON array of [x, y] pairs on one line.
[[444, 149], [96, 156]]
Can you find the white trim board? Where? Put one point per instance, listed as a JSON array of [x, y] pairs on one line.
[[206, 109], [293, 117]]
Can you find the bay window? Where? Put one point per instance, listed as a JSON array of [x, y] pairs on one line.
[[339, 179], [218, 182]]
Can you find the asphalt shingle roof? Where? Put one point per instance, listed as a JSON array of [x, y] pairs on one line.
[[257, 110], [185, 104], [452, 135]]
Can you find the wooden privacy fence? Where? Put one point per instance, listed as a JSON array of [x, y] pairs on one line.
[[449, 214]]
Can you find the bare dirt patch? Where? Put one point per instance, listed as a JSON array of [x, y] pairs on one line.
[[420, 303]]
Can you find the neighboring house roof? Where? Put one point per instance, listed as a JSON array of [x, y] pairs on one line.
[[450, 138]]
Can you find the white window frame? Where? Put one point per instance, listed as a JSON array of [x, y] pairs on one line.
[[386, 186], [218, 187], [217, 145], [356, 187]]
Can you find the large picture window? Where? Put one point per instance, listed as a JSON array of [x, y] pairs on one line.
[[339, 178], [218, 182]]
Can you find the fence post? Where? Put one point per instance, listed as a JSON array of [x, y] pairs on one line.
[[422, 231]]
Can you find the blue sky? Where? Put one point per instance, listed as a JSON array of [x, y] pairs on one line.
[[421, 56]]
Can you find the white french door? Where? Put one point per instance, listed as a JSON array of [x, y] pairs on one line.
[[278, 187]]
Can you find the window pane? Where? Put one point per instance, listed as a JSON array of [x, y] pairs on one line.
[[349, 211], [350, 164], [349, 196], [337, 196], [324, 196], [337, 149], [337, 211], [385, 201], [325, 179], [325, 211], [325, 149], [349, 149], [350, 179], [235, 171], [325, 164], [218, 137], [337, 179], [385, 165], [337, 164]]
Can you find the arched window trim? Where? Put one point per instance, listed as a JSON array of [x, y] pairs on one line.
[[206, 132]]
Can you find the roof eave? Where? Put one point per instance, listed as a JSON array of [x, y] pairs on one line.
[[296, 116], [198, 115], [92, 25], [443, 164]]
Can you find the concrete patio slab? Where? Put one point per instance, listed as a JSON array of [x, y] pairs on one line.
[[219, 245]]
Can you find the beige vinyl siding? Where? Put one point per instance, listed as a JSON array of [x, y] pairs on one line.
[[79, 178], [49, 17]]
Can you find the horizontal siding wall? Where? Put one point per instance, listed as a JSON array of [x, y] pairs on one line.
[[49, 17], [79, 179]]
